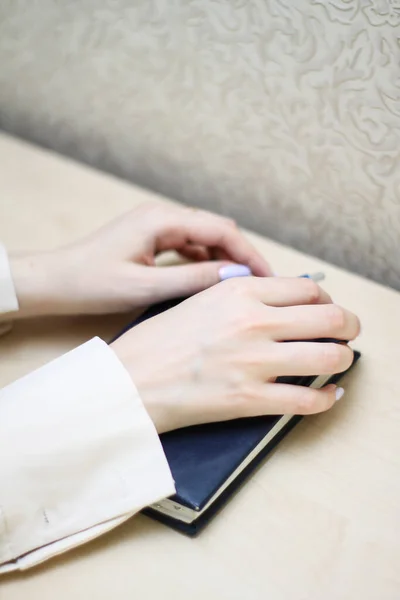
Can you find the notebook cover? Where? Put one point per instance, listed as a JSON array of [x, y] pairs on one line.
[[201, 458]]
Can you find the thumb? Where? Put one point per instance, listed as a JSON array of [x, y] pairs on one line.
[[186, 280]]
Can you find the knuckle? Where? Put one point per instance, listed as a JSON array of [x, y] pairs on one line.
[[336, 317], [307, 401], [221, 219], [348, 356], [357, 327], [312, 290], [237, 286], [241, 400], [249, 323], [227, 236], [231, 222], [333, 357], [153, 215], [146, 208]]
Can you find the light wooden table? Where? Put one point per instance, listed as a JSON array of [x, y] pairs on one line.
[[320, 520]]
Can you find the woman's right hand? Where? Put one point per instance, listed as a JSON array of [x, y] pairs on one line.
[[216, 356]]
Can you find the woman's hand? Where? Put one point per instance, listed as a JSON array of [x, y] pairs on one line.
[[234, 340], [114, 269]]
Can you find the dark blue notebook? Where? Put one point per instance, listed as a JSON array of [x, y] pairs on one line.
[[208, 462]]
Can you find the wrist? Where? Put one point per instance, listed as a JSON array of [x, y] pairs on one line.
[[123, 351], [34, 281]]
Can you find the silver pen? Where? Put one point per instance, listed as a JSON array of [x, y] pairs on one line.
[[314, 276]]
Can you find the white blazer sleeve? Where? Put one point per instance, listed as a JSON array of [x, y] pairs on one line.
[[8, 297], [78, 455], [78, 452]]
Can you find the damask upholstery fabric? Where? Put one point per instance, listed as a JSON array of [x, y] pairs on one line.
[[282, 113]]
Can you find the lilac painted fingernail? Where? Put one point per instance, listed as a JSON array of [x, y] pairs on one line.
[[233, 271], [339, 393]]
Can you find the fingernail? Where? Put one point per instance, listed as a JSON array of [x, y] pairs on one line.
[[339, 393], [233, 271]]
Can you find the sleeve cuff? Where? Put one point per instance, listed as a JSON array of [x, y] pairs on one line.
[[78, 455], [8, 296]]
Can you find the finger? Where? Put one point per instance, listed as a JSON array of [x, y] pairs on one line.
[[196, 253], [312, 322], [212, 231], [291, 291], [230, 240], [284, 399], [218, 254], [309, 358], [186, 280]]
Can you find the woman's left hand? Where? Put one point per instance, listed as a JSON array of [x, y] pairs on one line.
[[114, 270]]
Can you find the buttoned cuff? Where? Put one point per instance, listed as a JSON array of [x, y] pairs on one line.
[[8, 297]]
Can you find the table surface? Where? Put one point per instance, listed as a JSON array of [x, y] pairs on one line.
[[319, 520]]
